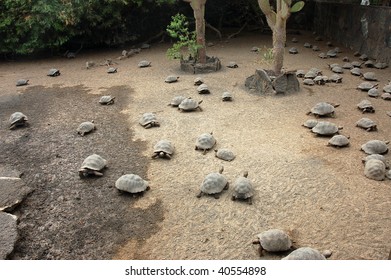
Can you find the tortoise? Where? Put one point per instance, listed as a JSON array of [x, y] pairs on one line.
[[322, 109], [145, 46], [307, 45], [375, 169], [355, 71], [322, 55], [163, 149], [357, 64], [331, 66], [375, 147], [203, 89], [300, 73], [310, 123], [365, 86], [309, 82], [369, 63], [17, 119], [347, 66], [356, 53], [367, 124], [319, 80], [325, 128], [381, 65], [149, 120], [106, 100], [225, 154], [232, 64], [92, 165], [144, 63], [310, 75], [214, 184], [363, 57], [198, 81], [273, 240], [54, 72], [112, 70], [338, 141], [326, 79], [369, 76], [315, 48], [375, 156], [386, 96], [171, 79], [373, 92], [132, 183], [293, 50], [189, 104], [317, 71], [318, 38], [22, 82], [331, 53], [205, 142], [335, 78], [294, 40], [255, 49], [226, 96], [305, 253], [337, 50], [366, 106], [387, 88], [337, 69], [345, 59], [243, 189], [86, 127], [177, 100]]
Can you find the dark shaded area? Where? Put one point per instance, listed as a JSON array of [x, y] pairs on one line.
[[66, 217], [365, 29]]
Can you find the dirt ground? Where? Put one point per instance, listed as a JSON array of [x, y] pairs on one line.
[[317, 193]]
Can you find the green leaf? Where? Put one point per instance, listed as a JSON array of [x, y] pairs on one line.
[[297, 6]]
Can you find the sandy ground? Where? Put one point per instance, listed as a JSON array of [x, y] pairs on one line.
[[317, 193]]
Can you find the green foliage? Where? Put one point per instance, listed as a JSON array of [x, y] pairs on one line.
[[186, 45], [267, 55], [28, 26], [297, 7]]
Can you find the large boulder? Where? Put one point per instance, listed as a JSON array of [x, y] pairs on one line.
[[264, 82], [212, 64], [8, 234]]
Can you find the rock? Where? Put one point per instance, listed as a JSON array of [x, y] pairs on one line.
[[12, 192], [212, 64], [263, 82], [8, 234]]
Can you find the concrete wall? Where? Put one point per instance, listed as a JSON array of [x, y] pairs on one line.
[[366, 29]]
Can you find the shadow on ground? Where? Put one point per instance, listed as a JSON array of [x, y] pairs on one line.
[[66, 217]]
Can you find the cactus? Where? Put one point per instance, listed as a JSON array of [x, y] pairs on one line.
[[276, 20]]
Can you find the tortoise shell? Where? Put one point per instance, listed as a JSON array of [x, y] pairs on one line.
[[305, 253], [131, 183], [375, 169], [375, 147], [274, 240]]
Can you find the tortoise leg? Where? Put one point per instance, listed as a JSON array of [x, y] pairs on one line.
[[204, 152], [216, 195], [200, 194], [250, 201], [196, 148], [200, 108], [96, 173], [155, 155], [233, 198], [226, 186], [168, 156], [148, 125]]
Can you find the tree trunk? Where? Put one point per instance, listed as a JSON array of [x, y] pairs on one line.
[[279, 40], [198, 7]]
